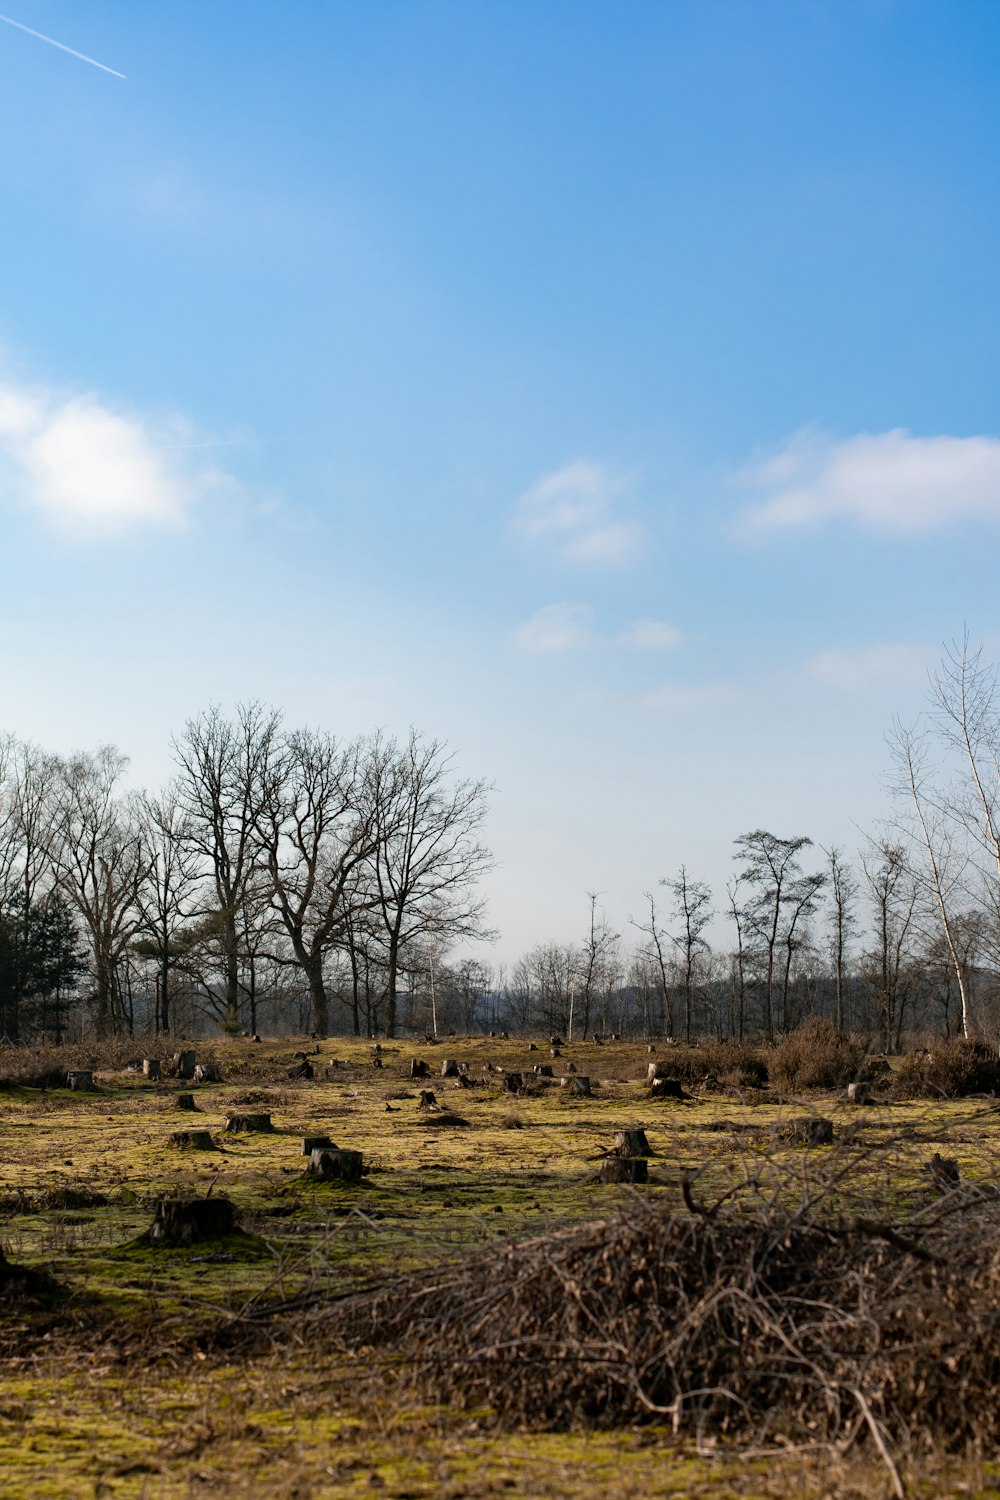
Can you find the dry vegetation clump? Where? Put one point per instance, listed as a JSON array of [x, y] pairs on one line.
[[817, 1056], [765, 1325], [949, 1070], [733, 1064]]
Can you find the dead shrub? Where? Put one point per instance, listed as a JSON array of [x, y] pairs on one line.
[[950, 1070], [512, 1119], [758, 1324], [817, 1056], [733, 1064]]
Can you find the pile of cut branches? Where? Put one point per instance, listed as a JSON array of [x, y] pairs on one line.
[[765, 1325]]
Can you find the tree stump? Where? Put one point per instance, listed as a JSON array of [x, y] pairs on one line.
[[554, 1052], [859, 1093], [532, 1046], [304, 1069], [377, 1047], [428, 1099], [543, 1070], [555, 1041], [207, 1073], [151, 1068], [81, 1080], [944, 1172], [244, 1124], [623, 1169], [311, 1143], [182, 1221], [185, 1063], [577, 1083], [193, 1140], [631, 1142], [666, 1088], [814, 1131], [376, 1061], [449, 1068], [650, 1048], [571, 1067], [335, 1166], [418, 1068], [186, 1101], [513, 1082]]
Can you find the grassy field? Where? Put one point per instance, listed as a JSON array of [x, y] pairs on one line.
[[133, 1384]]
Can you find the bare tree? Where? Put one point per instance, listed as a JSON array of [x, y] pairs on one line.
[[222, 768], [166, 892], [892, 893], [651, 929], [939, 866], [693, 909], [843, 925], [98, 856], [428, 856], [594, 949], [319, 834], [781, 898]]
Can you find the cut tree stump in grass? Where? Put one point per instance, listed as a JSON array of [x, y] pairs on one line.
[[666, 1088], [554, 1052], [543, 1070], [449, 1068], [335, 1166], [376, 1061], [428, 1099], [151, 1068], [193, 1140], [304, 1069], [185, 1064], [81, 1080], [186, 1101], [244, 1124], [577, 1083], [623, 1169], [944, 1172], [207, 1073], [513, 1082], [311, 1143], [631, 1142], [814, 1131], [418, 1068], [859, 1093], [182, 1221]]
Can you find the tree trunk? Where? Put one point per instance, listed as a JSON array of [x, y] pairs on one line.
[[317, 993]]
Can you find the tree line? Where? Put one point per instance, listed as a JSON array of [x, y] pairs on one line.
[[285, 880], [278, 868]]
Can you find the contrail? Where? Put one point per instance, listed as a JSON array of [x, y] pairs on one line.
[[62, 47]]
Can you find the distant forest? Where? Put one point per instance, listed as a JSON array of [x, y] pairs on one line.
[[286, 881]]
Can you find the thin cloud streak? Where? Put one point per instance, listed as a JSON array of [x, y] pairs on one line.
[[63, 47]]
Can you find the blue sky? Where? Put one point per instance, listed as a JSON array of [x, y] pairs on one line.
[[609, 389]]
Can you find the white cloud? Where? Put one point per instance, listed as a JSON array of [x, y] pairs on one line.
[[651, 635], [87, 467], [890, 481], [867, 666], [556, 627], [572, 510]]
